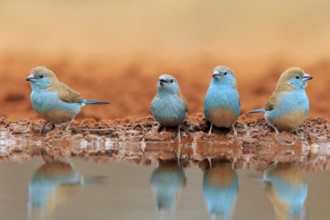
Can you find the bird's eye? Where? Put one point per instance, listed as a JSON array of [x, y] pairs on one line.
[[41, 76], [225, 73], [171, 80], [297, 77]]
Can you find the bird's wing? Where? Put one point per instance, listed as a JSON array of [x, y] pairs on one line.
[[66, 94], [239, 100], [272, 101], [180, 95]]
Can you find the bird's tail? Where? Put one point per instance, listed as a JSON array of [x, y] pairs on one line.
[[94, 102], [92, 180], [262, 110]]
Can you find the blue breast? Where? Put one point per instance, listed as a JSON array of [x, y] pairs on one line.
[[289, 102], [220, 199], [48, 101], [290, 193], [221, 97], [169, 110]]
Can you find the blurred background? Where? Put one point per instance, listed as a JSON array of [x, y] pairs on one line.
[[115, 50]]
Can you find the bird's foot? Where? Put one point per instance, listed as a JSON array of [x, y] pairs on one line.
[[43, 127], [299, 132], [275, 129], [159, 128]]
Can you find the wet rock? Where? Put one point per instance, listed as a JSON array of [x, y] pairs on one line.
[[154, 135], [285, 138], [137, 140], [19, 128], [250, 142]]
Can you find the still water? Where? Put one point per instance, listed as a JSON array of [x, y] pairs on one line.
[[81, 189]]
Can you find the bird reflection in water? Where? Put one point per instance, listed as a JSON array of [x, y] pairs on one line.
[[167, 182], [53, 184], [220, 188], [287, 188]]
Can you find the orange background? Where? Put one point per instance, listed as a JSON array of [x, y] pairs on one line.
[[115, 50]]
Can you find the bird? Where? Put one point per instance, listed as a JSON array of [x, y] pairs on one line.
[[222, 103], [53, 100], [55, 183], [287, 188], [167, 182], [52, 184], [169, 106], [220, 189], [288, 106]]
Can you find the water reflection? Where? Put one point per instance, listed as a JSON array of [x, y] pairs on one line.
[[53, 184], [167, 182], [220, 188], [287, 190]]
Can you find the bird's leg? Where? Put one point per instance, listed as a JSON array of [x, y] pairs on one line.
[[210, 162], [276, 131], [68, 126], [178, 155], [179, 133], [233, 126], [210, 131]]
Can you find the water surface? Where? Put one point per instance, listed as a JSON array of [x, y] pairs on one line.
[[83, 189]]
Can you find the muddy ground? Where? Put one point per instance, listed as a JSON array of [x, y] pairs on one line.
[[138, 140]]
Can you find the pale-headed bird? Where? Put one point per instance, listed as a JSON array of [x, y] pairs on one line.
[[287, 189], [220, 188], [168, 182], [169, 107], [221, 103], [288, 106], [53, 100]]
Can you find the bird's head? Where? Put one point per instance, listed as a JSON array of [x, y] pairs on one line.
[[167, 84], [41, 78], [224, 76], [295, 78]]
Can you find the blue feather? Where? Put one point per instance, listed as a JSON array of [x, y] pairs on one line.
[[259, 110], [94, 102]]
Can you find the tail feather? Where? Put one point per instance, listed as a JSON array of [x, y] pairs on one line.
[[259, 110], [94, 102], [91, 180]]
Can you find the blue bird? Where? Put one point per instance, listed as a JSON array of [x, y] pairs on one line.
[[169, 107], [220, 188], [288, 106], [221, 103], [53, 100], [168, 181], [287, 189], [53, 184]]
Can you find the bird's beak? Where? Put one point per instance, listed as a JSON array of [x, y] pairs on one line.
[[216, 75], [162, 81], [307, 77], [31, 78]]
